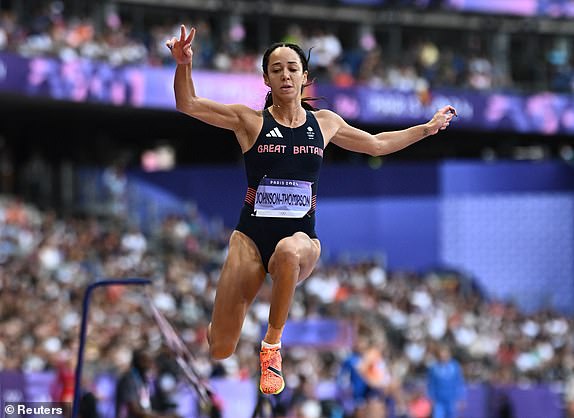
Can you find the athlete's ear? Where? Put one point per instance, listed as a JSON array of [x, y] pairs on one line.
[[266, 80], [305, 74]]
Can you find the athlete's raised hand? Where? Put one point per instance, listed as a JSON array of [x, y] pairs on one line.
[[181, 48], [441, 119]]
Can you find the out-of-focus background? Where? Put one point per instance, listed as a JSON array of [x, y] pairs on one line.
[[464, 240]]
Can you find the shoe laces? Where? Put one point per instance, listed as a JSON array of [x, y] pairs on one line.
[[268, 355]]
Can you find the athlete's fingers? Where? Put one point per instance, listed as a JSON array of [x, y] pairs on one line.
[[171, 43], [190, 36], [182, 34]]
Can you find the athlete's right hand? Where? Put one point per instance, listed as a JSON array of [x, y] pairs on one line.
[[181, 48]]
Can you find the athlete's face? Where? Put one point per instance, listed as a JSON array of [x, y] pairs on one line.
[[285, 75]]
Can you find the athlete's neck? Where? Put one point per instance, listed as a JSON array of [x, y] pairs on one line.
[[288, 114]]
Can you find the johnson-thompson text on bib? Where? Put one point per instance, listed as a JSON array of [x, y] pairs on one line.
[[280, 198]]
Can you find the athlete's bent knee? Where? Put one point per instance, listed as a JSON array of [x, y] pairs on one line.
[[219, 351], [287, 255]]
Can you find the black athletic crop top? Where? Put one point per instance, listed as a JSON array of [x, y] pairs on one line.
[[286, 153]]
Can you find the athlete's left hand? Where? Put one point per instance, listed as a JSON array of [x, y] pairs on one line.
[[441, 119], [181, 48]]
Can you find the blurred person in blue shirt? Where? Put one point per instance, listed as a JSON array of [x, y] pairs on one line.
[[352, 387], [445, 384], [364, 378]]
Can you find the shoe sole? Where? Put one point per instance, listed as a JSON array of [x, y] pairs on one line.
[[273, 393]]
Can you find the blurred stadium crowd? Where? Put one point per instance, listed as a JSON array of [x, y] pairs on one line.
[[422, 58], [46, 262]]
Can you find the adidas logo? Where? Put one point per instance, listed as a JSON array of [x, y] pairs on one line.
[[275, 133]]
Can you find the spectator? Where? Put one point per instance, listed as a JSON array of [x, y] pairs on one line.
[[63, 389], [115, 183], [133, 391], [445, 384], [351, 384], [326, 50]]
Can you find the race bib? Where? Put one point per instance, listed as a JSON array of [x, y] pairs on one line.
[[277, 198]]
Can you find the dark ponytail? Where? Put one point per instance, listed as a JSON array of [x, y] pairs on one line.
[[304, 62]]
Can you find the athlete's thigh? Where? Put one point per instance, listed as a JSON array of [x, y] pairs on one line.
[[308, 250], [241, 278]]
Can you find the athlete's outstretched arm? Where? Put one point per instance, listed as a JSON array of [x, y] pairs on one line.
[[208, 111], [354, 139]]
